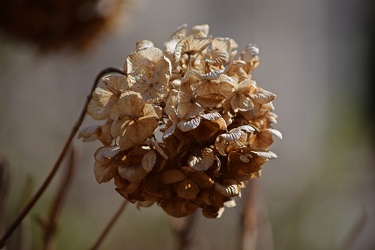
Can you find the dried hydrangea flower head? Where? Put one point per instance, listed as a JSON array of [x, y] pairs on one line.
[[186, 127]]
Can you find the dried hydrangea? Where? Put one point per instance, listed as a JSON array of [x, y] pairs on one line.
[[186, 127]]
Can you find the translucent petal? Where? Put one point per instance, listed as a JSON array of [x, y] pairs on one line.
[[106, 153], [172, 176], [202, 161], [188, 125], [265, 154], [148, 161]]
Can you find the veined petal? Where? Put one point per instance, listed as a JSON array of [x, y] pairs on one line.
[[188, 125], [265, 154], [203, 160]]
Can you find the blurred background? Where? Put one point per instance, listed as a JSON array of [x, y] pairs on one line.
[[316, 56]]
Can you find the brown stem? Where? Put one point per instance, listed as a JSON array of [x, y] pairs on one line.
[[250, 214], [53, 171], [184, 231], [50, 224], [110, 225]]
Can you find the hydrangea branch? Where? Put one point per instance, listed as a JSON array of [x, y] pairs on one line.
[[50, 224], [57, 164], [184, 231], [110, 225]]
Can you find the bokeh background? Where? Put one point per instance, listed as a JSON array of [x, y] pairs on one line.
[[317, 56]]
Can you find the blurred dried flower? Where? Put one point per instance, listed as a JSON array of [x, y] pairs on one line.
[[56, 24], [187, 127]]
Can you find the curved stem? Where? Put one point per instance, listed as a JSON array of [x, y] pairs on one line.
[[53, 171], [110, 225], [50, 224]]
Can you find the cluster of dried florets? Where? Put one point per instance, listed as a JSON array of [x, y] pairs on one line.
[[186, 127]]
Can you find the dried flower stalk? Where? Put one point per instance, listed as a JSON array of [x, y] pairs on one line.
[[187, 127], [57, 164]]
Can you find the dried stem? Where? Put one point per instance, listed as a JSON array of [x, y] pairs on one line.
[[250, 214], [50, 225], [110, 225], [184, 231], [53, 171]]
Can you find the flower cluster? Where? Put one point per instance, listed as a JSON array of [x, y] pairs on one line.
[[185, 127]]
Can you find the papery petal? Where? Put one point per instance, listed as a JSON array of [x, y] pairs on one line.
[[262, 96], [105, 172], [106, 153], [187, 189], [188, 125], [203, 160], [265, 154], [148, 161], [172, 176], [275, 132], [229, 190], [90, 133], [101, 103], [133, 173]]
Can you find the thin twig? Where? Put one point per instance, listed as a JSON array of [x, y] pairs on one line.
[[53, 171], [249, 219], [110, 225], [184, 231], [50, 225]]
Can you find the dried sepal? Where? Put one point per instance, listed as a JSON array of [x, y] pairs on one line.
[[90, 133], [148, 161], [203, 160]]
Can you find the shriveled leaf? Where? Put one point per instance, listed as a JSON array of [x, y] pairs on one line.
[[211, 116]]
